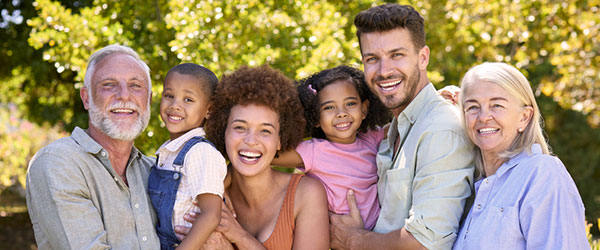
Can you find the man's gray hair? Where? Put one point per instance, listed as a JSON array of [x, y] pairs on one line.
[[107, 51]]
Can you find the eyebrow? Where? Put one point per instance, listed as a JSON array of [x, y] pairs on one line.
[[263, 124], [345, 99], [388, 52], [492, 99], [184, 90], [135, 78]]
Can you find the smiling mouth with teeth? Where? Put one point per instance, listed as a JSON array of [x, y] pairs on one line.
[[249, 155], [176, 118], [128, 111], [342, 125], [389, 85], [487, 130]]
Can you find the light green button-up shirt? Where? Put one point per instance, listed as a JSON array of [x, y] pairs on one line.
[[77, 201], [425, 185]]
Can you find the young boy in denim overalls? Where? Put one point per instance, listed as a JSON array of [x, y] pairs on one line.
[[188, 167]]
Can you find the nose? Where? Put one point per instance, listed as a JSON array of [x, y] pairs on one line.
[[485, 114], [341, 113], [174, 104], [250, 138], [123, 91], [385, 67]]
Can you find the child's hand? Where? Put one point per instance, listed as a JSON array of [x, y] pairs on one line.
[[216, 240], [450, 93]]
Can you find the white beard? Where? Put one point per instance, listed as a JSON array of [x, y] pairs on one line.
[[119, 129]]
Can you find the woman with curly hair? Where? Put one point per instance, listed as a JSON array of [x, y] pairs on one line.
[[255, 114], [344, 118]]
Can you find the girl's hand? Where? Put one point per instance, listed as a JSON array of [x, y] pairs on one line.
[[216, 240], [450, 93]]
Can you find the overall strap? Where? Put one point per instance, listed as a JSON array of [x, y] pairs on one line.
[[186, 147]]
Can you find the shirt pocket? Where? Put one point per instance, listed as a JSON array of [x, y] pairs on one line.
[[502, 228], [398, 190]]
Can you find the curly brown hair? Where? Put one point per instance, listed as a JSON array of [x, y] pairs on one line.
[[257, 85], [308, 89]]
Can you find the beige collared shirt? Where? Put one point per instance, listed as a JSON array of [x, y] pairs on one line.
[[424, 186], [203, 171], [77, 201]]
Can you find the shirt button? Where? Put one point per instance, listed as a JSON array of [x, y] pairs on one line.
[[116, 179], [478, 206], [486, 181], [144, 238], [103, 153], [501, 209], [137, 205]]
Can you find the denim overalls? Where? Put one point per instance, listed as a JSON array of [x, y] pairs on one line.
[[162, 189]]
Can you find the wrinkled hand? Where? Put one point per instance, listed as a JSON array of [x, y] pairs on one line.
[[216, 240], [450, 93], [345, 227]]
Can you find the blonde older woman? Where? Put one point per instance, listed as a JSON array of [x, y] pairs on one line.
[[524, 198]]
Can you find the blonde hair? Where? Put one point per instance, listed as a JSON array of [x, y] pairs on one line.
[[514, 82]]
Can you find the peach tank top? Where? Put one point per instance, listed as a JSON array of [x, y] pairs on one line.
[[283, 233]]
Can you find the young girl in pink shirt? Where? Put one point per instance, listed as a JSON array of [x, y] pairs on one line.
[[344, 118]]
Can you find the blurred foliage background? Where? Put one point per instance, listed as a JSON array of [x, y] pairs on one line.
[[44, 46]]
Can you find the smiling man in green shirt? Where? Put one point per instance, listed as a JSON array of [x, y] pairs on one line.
[[425, 165], [88, 191]]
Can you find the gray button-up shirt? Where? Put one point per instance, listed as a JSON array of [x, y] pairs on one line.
[[423, 187], [77, 201]]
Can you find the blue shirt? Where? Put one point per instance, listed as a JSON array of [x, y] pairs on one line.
[[531, 202]]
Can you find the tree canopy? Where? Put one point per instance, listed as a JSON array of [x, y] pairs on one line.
[[44, 46]]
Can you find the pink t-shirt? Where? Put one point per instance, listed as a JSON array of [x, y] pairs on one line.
[[346, 166]]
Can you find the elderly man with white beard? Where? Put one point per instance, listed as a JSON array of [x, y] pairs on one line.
[[88, 191]]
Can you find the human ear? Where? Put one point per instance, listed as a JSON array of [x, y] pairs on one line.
[[423, 57], [526, 115], [83, 93], [365, 109]]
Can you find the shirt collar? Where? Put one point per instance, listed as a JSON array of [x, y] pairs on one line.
[[416, 106], [91, 146], [514, 161], [85, 141], [174, 145]]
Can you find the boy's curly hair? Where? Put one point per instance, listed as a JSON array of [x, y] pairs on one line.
[[258, 85], [308, 89]]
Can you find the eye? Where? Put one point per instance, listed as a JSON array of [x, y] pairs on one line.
[[328, 107], [135, 85], [108, 84], [188, 99], [471, 108], [167, 95], [266, 131], [371, 59], [497, 106], [239, 128], [396, 55], [352, 103]]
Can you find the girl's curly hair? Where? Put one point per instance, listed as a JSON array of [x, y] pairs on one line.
[[308, 89], [258, 85]]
